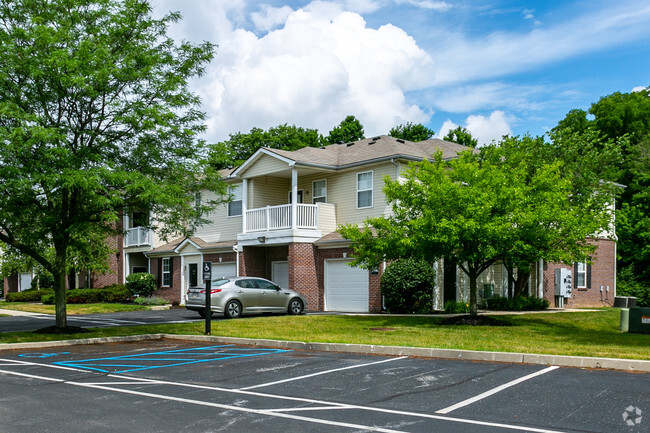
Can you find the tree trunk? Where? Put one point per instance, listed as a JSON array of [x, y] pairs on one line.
[[59, 275], [473, 294], [521, 283], [59, 299]]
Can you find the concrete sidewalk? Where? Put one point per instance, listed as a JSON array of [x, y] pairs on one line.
[[5, 312]]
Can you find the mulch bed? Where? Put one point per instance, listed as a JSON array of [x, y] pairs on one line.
[[66, 330], [475, 321]]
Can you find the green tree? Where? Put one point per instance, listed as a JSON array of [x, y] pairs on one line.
[[473, 210], [412, 132], [96, 120], [240, 146], [347, 131], [624, 118], [462, 136]]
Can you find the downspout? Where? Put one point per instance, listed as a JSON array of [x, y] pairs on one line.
[[397, 166]]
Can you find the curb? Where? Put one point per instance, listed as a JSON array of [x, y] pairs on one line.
[[420, 352]]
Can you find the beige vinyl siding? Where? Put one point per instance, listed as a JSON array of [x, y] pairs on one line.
[[326, 217], [342, 190], [222, 227], [189, 249], [268, 191], [265, 165]]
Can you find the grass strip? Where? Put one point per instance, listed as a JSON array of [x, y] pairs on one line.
[[593, 334], [72, 308]]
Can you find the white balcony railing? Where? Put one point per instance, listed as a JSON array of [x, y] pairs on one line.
[[279, 218], [137, 236]]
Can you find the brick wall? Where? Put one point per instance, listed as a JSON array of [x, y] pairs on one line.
[[10, 284], [303, 276], [256, 261], [172, 293], [602, 274]]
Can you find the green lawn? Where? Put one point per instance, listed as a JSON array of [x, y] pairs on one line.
[[583, 334], [72, 308]]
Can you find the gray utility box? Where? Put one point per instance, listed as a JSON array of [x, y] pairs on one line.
[[635, 320]]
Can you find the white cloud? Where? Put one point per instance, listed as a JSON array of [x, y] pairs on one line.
[[507, 52], [447, 126], [486, 129], [427, 4], [640, 88], [269, 17], [322, 65]]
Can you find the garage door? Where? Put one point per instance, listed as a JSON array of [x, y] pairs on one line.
[[280, 274], [224, 270], [346, 288]]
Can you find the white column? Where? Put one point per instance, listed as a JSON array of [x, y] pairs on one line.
[[244, 203], [294, 197]]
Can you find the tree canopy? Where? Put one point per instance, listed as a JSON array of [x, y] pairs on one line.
[[241, 146], [96, 119], [350, 129], [412, 132], [625, 119], [481, 208], [462, 136]]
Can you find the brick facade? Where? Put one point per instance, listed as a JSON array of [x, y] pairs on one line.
[[303, 276], [602, 275]]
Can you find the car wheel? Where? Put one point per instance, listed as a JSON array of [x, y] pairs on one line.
[[232, 310], [295, 306]]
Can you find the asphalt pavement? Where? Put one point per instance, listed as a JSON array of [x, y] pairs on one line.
[[191, 386]]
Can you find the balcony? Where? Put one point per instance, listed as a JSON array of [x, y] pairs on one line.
[[308, 216], [137, 237]]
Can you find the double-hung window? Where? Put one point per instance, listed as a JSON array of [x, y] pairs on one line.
[[582, 278], [235, 205], [364, 189], [166, 272], [320, 191]]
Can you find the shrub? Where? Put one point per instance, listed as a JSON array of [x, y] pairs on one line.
[[453, 307], [43, 280], [633, 288], [407, 286], [28, 295], [141, 284], [150, 301], [113, 294], [518, 303]]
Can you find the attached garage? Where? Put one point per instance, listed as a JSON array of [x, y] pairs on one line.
[[228, 269], [346, 288]]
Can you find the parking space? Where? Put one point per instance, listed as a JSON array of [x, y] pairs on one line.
[[183, 387]]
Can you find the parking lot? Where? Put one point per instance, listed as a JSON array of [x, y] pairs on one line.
[[177, 386]]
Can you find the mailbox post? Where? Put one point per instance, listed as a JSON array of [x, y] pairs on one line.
[[207, 278]]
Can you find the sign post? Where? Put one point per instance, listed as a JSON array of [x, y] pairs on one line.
[[207, 278]]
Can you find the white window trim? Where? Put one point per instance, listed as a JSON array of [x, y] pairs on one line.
[[163, 272], [371, 189], [584, 273], [314, 196], [241, 188]]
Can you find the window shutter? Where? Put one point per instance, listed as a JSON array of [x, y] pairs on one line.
[[159, 279], [589, 276], [171, 271], [575, 275]]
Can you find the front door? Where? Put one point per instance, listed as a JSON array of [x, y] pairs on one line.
[[193, 269]]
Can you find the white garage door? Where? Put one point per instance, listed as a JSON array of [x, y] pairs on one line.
[[280, 274], [346, 288], [224, 270]]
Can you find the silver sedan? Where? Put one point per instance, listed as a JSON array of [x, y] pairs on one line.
[[234, 296]]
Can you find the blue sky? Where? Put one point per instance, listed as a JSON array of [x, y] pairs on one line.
[[496, 67]]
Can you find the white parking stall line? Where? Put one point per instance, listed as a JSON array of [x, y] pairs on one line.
[[31, 376], [322, 372], [322, 405], [495, 390]]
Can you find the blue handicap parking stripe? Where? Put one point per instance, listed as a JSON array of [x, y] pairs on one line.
[[169, 358]]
